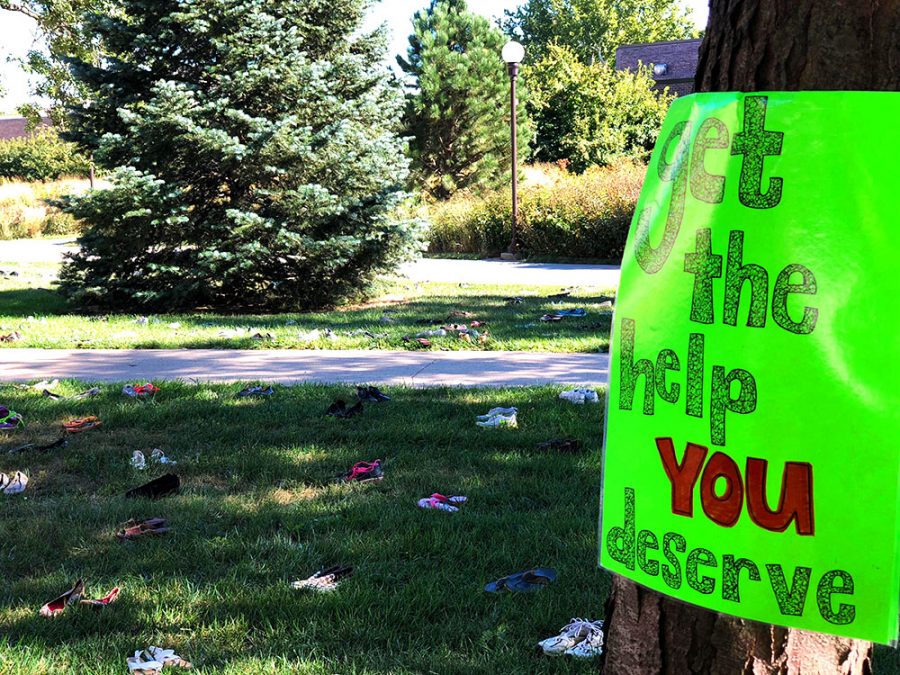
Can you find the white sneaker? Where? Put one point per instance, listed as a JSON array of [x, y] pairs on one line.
[[591, 646], [17, 484], [575, 396], [493, 412], [138, 461], [498, 421], [590, 396], [157, 456], [571, 634]]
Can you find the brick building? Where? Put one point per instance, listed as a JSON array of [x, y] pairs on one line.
[[673, 64], [14, 127]]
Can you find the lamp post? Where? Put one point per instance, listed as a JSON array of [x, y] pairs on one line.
[[513, 53]]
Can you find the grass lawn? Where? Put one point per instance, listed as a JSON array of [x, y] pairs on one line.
[[29, 305], [258, 509]]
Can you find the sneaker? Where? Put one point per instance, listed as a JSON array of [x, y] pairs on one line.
[[590, 396], [138, 461], [575, 396], [362, 472], [437, 504], [371, 395], [156, 455], [591, 646], [493, 412], [569, 636], [498, 421], [256, 391], [17, 484], [9, 419]]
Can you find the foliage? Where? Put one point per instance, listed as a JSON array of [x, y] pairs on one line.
[[593, 114], [41, 156], [594, 29], [26, 209], [65, 34], [254, 155], [458, 109], [577, 216]]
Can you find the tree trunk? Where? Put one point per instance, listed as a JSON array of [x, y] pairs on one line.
[[759, 45]]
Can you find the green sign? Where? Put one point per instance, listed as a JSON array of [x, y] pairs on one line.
[[752, 458]]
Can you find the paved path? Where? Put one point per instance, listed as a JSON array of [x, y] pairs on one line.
[[420, 369], [35, 250], [605, 277]]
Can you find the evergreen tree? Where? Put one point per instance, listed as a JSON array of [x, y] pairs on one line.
[[458, 109], [594, 29], [254, 154]]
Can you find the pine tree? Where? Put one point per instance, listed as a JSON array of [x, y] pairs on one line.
[[254, 152], [458, 110]]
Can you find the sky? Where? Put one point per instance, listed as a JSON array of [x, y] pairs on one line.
[[17, 36]]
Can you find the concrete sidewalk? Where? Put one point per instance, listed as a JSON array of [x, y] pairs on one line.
[[419, 369]]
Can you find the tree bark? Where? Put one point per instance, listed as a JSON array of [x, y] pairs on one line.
[[791, 45], [760, 45]]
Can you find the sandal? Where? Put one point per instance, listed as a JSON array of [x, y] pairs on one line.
[[70, 597], [437, 504], [83, 424], [325, 579], [530, 580], [138, 665]]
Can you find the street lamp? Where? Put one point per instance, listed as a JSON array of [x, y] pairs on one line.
[[513, 53]]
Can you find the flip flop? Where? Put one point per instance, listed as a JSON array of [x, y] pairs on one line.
[[529, 580], [437, 504], [457, 500], [70, 597]]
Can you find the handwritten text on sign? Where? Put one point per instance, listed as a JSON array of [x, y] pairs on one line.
[[703, 329]]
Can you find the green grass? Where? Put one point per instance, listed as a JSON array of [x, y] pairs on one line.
[[29, 305], [258, 509]]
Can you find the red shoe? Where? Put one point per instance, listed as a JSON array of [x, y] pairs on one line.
[[70, 597]]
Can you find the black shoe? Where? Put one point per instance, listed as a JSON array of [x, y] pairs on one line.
[[156, 488], [561, 445], [354, 411], [337, 409], [49, 394], [377, 396]]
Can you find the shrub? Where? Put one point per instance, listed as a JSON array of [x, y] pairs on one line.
[[42, 156], [560, 215], [27, 210]]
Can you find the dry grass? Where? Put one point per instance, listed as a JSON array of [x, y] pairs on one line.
[[25, 213]]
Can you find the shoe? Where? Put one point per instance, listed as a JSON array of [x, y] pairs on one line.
[[551, 318], [156, 455], [498, 421], [362, 472], [523, 582], [84, 424], [590, 396], [139, 390], [156, 488], [49, 394], [138, 461], [493, 412], [90, 393], [440, 332], [437, 504], [353, 411], [561, 445], [9, 419], [107, 599], [4, 481], [591, 646], [135, 529], [17, 484], [569, 636], [450, 500], [575, 396], [257, 391], [337, 409], [325, 579], [371, 395], [70, 597]]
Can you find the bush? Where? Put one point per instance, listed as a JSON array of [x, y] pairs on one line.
[[42, 156], [26, 209], [560, 215]]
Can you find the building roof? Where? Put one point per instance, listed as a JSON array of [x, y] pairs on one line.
[[15, 127], [679, 58]]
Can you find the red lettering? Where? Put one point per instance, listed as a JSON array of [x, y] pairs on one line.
[[724, 510], [795, 502], [683, 476]]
